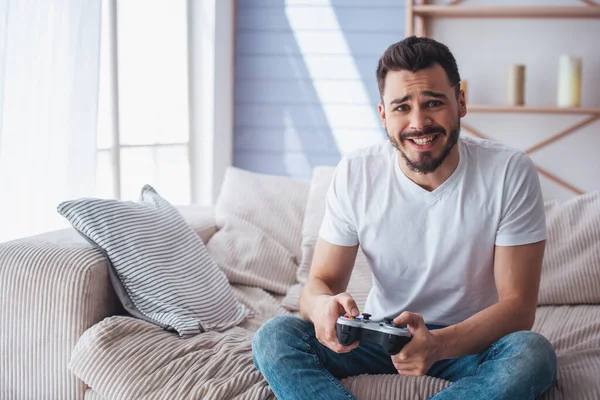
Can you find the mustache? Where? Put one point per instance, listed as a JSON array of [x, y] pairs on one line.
[[427, 131]]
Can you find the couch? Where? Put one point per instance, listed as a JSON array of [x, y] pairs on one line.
[[64, 334]]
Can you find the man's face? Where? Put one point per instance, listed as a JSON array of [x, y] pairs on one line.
[[421, 115]]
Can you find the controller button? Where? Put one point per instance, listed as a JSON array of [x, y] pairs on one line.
[[366, 316], [388, 320]]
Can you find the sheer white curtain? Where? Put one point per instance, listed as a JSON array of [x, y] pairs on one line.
[[49, 60]]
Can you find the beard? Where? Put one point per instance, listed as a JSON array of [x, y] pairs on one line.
[[427, 163]]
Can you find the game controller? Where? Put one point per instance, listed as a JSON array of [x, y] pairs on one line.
[[391, 337]]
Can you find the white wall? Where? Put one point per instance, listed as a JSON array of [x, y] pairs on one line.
[[485, 47]]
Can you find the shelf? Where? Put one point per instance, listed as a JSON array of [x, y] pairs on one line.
[[532, 110], [446, 11]]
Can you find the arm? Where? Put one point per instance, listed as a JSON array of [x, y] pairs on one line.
[[517, 271], [323, 298]]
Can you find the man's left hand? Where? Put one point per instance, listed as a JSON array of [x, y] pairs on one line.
[[418, 355]]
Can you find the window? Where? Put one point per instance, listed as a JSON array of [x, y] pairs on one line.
[[148, 139]]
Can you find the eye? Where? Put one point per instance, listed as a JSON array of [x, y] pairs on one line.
[[433, 103], [402, 107]]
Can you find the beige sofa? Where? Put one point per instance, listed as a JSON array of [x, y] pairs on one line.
[[65, 336]]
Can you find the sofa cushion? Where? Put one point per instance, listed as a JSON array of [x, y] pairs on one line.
[[122, 358], [259, 218], [161, 270], [571, 269], [213, 365], [360, 280]]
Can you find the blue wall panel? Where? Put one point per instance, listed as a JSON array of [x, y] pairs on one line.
[[305, 88]]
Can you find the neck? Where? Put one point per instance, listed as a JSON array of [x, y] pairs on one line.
[[432, 180]]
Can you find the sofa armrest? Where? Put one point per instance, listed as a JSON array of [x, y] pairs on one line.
[[52, 288]]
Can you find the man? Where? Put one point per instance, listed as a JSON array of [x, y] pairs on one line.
[[454, 232]]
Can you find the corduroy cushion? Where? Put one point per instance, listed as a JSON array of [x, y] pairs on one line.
[[360, 281], [161, 270], [571, 269], [259, 218]]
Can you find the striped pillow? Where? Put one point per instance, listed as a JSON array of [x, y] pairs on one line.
[[162, 271]]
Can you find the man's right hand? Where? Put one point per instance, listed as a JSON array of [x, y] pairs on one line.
[[328, 309]]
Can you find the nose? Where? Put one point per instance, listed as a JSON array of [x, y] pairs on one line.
[[419, 119]]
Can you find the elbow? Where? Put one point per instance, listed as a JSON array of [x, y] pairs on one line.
[[523, 314], [528, 323], [526, 319]]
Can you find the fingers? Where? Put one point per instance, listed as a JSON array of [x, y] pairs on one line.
[[410, 368], [325, 328], [413, 372], [339, 348], [329, 339], [348, 304], [413, 320]]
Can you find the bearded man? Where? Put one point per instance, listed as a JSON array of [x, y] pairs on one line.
[[454, 232]]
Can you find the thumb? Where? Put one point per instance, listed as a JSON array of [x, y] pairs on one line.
[[408, 318], [348, 303]]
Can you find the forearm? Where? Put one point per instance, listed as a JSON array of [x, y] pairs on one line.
[[315, 288], [477, 333]]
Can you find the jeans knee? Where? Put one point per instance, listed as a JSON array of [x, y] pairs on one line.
[[536, 354], [276, 334]]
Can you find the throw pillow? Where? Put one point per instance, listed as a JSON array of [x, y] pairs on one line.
[[571, 268], [360, 280], [160, 268], [259, 218]]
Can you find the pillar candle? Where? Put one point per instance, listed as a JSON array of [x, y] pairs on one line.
[[515, 85], [569, 81]]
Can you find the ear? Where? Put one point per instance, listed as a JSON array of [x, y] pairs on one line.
[[381, 110], [462, 104]]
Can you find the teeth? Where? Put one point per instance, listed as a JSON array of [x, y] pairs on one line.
[[424, 141]]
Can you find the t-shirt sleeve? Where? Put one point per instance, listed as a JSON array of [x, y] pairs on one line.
[[523, 218], [338, 225]]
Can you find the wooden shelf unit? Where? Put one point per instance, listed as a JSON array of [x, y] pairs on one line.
[[532, 110], [416, 15], [451, 11]]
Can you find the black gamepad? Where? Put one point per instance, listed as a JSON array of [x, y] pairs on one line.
[[391, 337]]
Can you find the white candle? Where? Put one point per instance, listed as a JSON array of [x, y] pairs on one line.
[[515, 85], [569, 81]]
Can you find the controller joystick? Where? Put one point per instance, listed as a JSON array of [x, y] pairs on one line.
[[391, 337]]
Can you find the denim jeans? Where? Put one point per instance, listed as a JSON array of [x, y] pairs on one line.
[[296, 365]]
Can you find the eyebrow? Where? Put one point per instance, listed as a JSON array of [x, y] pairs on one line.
[[428, 93]]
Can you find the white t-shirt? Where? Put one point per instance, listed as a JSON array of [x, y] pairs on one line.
[[433, 252]]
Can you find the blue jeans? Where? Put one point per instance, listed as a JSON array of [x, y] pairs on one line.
[[296, 365]]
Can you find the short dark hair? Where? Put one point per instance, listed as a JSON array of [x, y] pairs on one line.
[[414, 54]]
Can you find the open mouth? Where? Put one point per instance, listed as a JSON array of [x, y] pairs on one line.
[[424, 142]]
